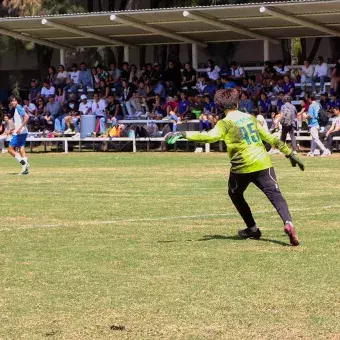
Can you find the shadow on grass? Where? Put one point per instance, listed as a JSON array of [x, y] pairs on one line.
[[238, 238]]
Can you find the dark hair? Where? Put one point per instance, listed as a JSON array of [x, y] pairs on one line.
[[62, 66], [83, 63], [133, 65], [125, 63], [212, 63], [336, 108], [245, 93], [75, 65], [252, 77], [14, 97], [227, 99], [233, 63], [312, 96], [281, 92], [153, 82], [54, 71]]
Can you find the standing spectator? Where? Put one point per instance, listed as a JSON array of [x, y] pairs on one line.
[[85, 77], [213, 70], [35, 91], [47, 89], [99, 110], [320, 74], [281, 68], [306, 74], [236, 72], [173, 74], [313, 124], [334, 130], [54, 112], [288, 121], [125, 71], [61, 77], [189, 76], [85, 106], [335, 79], [52, 75], [288, 86], [265, 105], [245, 104]]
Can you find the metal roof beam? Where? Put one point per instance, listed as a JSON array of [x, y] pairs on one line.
[[83, 33], [29, 38], [303, 22], [156, 30], [230, 27]]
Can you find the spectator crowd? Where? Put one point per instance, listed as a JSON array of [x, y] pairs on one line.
[[179, 93]]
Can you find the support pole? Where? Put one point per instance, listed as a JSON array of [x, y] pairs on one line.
[[266, 55], [194, 56], [127, 54], [62, 56]]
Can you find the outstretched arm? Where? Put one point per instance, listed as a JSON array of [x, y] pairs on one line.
[[214, 135]]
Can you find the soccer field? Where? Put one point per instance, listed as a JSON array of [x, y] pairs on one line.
[[143, 246]]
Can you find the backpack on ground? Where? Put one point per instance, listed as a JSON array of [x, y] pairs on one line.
[[323, 117], [287, 119]]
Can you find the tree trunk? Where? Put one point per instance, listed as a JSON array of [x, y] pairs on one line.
[[100, 6], [315, 49], [285, 44], [303, 55], [112, 5], [90, 6], [335, 48]]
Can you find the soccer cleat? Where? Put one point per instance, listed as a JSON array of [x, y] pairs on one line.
[[248, 233], [326, 153], [291, 232], [26, 172]]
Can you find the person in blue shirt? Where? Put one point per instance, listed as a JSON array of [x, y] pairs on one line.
[[210, 88], [209, 117], [245, 104], [313, 124], [280, 101], [227, 83], [210, 107], [288, 86], [324, 101], [334, 102], [265, 105], [183, 105]]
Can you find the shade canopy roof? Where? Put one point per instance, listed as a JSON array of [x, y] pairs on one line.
[[201, 25]]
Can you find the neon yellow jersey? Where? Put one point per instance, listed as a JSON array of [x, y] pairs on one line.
[[243, 135]]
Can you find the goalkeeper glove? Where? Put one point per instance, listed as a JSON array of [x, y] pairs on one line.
[[173, 137], [295, 160]]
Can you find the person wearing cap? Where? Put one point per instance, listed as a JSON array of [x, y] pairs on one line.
[[85, 105], [47, 89], [288, 121], [34, 92], [320, 74]]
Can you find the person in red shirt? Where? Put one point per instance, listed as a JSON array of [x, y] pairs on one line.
[[172, 105]]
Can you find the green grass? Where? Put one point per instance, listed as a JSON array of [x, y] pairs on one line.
[[146, 241]]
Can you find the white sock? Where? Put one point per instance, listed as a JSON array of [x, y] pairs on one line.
[[19, 158], [25, 159]]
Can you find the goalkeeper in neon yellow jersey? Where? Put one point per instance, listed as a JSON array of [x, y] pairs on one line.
[[250, 162]]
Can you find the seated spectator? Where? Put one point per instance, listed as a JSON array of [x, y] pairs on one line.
[[35, 91], [102, 74], [277, 86], [73, 81], [99, 110], [149, 69], [103, 89], [125, 71], [209, 88], [157, 72], [268, 72], [85, 106], [209, 117], [213, 70], [139, 98], [334, 130], [265, 106], [245, 104], [41, 121], [183, 105], [173, 74], [280, 101], [197, 107], [70, 120], [254, 89], [142, 71], [288, 86], [47, 89], [54, 113], [171, 89], [115, 76], [52, 75], [158, 111], [6, 130], [236, 72], [335, 79], [320, 74], [189, 77], [171, 105], [114, 110], [281, 69], [85, 77], [334, 102], [61, 77], [225, 70], [73, 103], [156, 89], [60, 96], [306, 74], [132, 73], [324, 101], [95, 77], [32, 112], [244, 87], [305, 102], [200, 85], [227, 83]]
